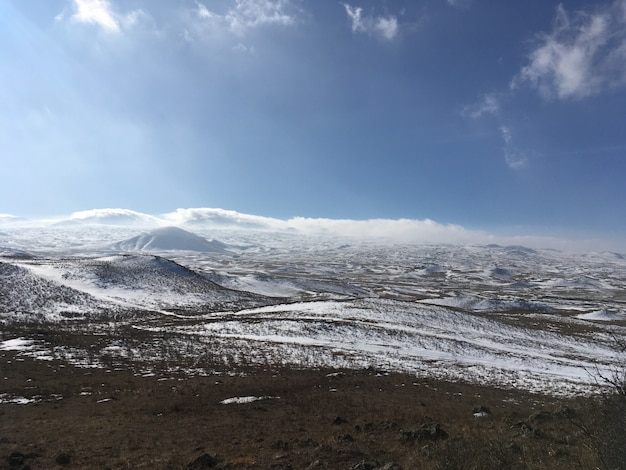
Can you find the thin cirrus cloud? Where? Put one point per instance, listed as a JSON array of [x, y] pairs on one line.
[[248, 14], [488, 104], [514, 157], [384, 27], [583, 55]]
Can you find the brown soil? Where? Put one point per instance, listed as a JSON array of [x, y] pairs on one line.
[[97, 418]]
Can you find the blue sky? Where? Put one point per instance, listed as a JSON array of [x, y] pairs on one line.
[[508, 117]]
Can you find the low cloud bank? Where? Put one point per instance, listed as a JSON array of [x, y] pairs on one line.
[[387, 230], [400, 230]]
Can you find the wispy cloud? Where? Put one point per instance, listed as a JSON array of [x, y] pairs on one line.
[[514, 157], [384, 27], [583, 55], [243, 49], [488, 104], [248, 14]]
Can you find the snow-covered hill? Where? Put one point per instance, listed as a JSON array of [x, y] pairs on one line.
[[25, 296], [50, 289], [508, 315], [170, 238]]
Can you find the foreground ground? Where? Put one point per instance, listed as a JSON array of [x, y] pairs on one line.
[[99, 418]]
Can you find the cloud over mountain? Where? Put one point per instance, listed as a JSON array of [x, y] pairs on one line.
[[111, 217], [166, 232]]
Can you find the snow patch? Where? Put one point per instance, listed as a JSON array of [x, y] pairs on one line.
[[241, 400], [15, 400], [16, 344], [601, 315]]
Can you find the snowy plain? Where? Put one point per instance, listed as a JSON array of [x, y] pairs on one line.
[[541, 320]]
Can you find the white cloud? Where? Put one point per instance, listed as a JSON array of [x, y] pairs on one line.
[[114, 217], [203, 12], [385, 27], [222, 217], [102, 14], [381, 230], [488, 104], [248, 14], [583, 55], [395, 230], [97, 12]]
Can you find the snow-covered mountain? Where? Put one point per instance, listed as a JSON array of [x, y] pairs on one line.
[[170, 238]]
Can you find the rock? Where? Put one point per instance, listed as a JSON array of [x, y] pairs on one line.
[[366, 465], [528, 431], [17, 461], [345, 438], [391, 466], [315, 464], [280, 444], [202, 462], [378, 372], [428, 430], [481, 411], [63, 459], [541, 416], [565, 412], [339, 420]]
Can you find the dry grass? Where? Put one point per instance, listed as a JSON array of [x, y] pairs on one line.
[[103, 418]]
